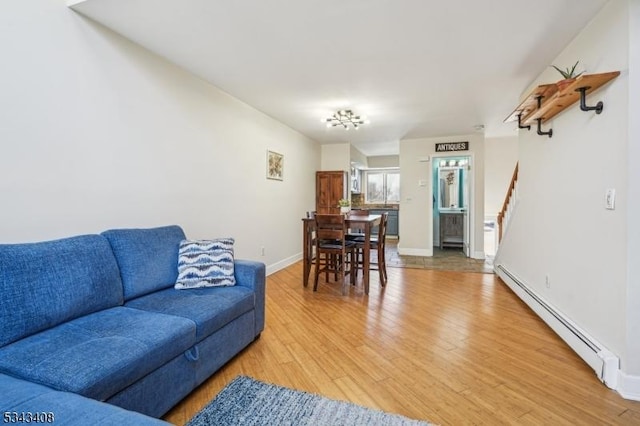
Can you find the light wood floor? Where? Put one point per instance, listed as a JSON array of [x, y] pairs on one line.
[[453, 348]]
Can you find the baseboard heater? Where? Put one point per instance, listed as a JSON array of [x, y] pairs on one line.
[[603, 362]]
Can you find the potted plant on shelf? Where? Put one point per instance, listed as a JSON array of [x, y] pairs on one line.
[[344, 205], [569, 76]]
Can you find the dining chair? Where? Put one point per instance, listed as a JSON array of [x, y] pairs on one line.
[[312, 238], [334, 253], [377, 243], [353, 234]]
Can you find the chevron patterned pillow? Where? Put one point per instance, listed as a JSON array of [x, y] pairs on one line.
[[205, 263]]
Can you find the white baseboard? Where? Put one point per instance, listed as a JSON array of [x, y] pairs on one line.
[[478, 255], [629, 386], [415, 252], [605, 363], [275, 267]]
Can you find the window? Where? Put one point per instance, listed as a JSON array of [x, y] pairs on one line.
[[383, 187]]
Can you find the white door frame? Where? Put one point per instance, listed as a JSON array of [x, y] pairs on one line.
[[471, 211]]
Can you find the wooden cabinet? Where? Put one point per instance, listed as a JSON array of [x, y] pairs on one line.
[[451, 230], [330, 188]]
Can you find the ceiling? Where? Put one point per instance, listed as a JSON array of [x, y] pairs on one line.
[[415, 68]]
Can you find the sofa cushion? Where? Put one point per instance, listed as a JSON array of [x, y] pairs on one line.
[[47, 283], [205, 263], [148, 258], [99, 354], [210, 308], [49, 406]]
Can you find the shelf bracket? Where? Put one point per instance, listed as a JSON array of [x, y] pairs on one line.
[[520, 126], [540, 132], [539, 120], [583, 101]]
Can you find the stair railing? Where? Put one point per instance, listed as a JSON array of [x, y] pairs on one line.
[[509, 203]]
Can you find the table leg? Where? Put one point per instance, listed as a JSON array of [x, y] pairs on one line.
[[306, 253], [345, 285], [366, 253]]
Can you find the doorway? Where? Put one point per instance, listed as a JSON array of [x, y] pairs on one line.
[[452, 226]]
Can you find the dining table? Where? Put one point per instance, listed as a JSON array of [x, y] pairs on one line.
[[364, 222]]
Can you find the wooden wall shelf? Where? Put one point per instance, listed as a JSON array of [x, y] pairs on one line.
[[530, 103], [554, 101]]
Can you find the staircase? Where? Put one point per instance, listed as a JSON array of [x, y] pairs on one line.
[[509, 204]]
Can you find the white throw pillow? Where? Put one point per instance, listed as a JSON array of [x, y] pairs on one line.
[[205, 263]]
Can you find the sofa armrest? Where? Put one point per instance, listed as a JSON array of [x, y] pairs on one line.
[[252, 274]]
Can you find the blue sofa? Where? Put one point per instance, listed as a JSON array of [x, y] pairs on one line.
[[98, 316], [28, 402]]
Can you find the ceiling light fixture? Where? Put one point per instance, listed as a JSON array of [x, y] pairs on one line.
[[345, 118]]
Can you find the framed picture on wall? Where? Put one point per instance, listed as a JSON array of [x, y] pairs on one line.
[[275, 165]]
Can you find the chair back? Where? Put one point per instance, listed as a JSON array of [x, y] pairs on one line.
[[330, 227], [359, 212], [382, 229]]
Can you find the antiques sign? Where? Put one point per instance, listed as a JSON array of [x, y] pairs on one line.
[[452, 146]]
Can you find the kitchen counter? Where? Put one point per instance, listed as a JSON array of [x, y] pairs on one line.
[[376, 207]]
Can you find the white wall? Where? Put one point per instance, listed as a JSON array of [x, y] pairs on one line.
[[631, 363], [336, 157], [96, 133], [357, 157], [560, 228], [416, 206], [383, 161], [500, 158]]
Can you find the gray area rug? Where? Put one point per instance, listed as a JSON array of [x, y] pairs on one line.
[[246, 401]]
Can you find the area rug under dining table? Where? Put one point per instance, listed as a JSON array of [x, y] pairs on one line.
[[246, 401]]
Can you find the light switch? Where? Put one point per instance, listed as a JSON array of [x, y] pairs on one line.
[[610, 199]]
